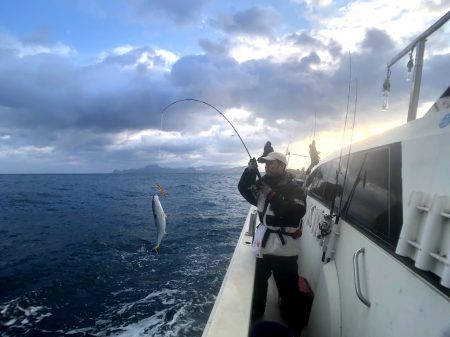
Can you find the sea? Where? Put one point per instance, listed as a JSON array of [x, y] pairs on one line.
[[77, 258]]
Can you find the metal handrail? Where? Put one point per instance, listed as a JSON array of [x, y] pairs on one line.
[[422, 36], [418, 42], [356, 277]]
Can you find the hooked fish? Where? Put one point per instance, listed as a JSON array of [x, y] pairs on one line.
[[160, 220]]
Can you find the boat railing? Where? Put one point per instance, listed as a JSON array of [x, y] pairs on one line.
[[418, 43], [230, 315]]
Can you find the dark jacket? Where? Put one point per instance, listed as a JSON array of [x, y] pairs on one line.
[[288, 202]]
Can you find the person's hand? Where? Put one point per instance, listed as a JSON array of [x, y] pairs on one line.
[[252, 165]]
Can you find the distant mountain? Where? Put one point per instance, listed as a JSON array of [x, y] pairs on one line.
[[158, 169]]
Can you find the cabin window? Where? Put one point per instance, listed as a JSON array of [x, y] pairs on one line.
[[332, 185], [315, 182], [372, 196], [366, 192], [395, 196]]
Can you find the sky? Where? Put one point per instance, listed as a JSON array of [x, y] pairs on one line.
[[83, 83]]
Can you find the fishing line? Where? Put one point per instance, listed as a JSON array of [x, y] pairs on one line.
[[220, 113], [345, 127], [349, 150], [348, 104], [338, 215]]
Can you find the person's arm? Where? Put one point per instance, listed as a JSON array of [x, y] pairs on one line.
[[288, 204], [247, 185]]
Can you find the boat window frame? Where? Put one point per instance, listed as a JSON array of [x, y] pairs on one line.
[[395, 156], [393, 149]]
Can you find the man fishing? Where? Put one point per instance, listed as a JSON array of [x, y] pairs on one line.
[[281, 205]]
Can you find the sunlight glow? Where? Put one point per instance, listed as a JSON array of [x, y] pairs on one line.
[[330, 141]]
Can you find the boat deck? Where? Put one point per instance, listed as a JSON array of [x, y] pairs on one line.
[[230, 315]]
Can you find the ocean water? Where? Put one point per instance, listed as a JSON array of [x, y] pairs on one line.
[[77, 259]]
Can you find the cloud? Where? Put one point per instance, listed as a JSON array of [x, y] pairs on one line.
[[107, 114], [52, 91], [402, 20], [111, 109], [313, 4], [282, 49], [211, 47], [254, 21], [180, 12], [39, 43], [144, 57], [304, 39]]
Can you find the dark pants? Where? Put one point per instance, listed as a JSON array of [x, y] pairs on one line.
[[284, 269]]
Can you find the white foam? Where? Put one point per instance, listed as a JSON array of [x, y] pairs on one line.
[[164, 295], [146, 327], [122, 291], [10, 322], [81, 330], [175, 319], [156, 325], [21, 316]]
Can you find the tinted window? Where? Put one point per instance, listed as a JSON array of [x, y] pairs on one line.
[[396, 196], [332, 184], [322, 183], [372, 193], [314, 182], [366, 194]]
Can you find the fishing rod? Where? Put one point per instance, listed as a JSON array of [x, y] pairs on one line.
[[298, 155], [352, 192], [343, 135], [220, 113], [348, 161]]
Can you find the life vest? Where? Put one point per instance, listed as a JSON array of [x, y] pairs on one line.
[[282, 239]]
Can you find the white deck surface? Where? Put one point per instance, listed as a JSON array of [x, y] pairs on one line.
[[230, 315]]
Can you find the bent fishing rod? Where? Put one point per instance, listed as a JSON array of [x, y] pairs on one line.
[[220, 113]]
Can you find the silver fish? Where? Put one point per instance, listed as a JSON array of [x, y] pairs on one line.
[[160, 220]]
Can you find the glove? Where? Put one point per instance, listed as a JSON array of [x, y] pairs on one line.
[[252, 165]]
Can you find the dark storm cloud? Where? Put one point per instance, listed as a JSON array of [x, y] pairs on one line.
[[49, 92], [48, 100], [271, 91], [182, 12], [252, 21], [377, 42], [433, 77], [312, 58], [204, 71], [298, 88]]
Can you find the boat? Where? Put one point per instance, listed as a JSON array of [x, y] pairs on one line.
[[375, 248]]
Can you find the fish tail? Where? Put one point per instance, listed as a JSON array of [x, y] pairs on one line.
[[156, 249]]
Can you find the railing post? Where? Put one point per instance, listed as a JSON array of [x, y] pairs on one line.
[[415, 87]]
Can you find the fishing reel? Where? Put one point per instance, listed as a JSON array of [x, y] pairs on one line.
[[325, 226]]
